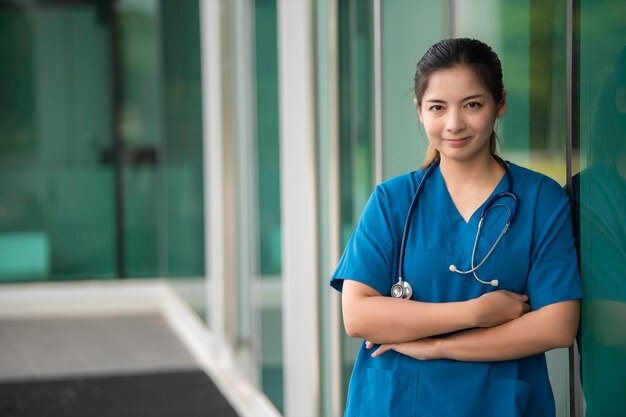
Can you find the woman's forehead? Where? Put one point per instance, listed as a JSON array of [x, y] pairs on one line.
[[454, 83]]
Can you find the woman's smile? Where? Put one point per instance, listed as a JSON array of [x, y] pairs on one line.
[[457, 143]]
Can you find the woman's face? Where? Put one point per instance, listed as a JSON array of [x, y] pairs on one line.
[[458, 113]]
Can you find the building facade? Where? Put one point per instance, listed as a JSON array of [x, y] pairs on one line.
[[229, 147]]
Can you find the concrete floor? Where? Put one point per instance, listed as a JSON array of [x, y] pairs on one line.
[[40, 348], [108, 342]]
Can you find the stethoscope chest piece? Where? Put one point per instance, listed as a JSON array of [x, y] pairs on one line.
[[402, 289]]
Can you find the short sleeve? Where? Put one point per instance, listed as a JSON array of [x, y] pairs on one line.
[[554, 274], [368, 256]]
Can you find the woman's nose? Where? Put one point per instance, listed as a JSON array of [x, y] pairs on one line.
[[455, 121]]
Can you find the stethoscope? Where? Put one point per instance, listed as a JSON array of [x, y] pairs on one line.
[[402, 289]]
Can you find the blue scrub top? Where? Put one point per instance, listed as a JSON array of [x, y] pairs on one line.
[[536, 257]]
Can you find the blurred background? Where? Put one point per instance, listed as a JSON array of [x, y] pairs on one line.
[[171, 143]]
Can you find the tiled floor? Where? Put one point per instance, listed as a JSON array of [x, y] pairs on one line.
[[42, 348], [130, 365]]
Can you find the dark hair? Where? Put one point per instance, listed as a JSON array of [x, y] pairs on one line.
[[450, 53]]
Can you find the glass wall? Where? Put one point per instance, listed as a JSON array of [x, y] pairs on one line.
[[600, 197], [55, 131], [101, 142], [356, 141], [268, 191]]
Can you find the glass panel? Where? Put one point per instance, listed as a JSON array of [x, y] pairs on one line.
[[600, 196], [267, 137], [181, 165], [409, 27], [269, 243], [355, 129], [140, 131], [57, 197], [55, 133], [331, 330]]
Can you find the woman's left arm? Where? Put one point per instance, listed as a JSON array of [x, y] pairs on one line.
[[550, 327]]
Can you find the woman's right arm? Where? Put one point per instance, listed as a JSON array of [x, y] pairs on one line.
[[370, 316]]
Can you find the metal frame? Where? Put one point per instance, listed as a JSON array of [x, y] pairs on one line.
[[378, 92], [248, 303], [572, 135], [216, 246], [329, 309], [334, 223], [118, 147], [298, 207]]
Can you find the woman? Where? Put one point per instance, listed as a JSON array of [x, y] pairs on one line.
[[485, 300]]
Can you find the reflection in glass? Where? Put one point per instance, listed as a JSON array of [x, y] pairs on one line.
[[600, 201], [67, 69], [268, 194], [56, 215]]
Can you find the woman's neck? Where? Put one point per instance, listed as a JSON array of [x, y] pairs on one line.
[[470, 183], [479, 172]]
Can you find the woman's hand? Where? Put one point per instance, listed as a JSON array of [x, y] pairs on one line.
[[423, 349], [497, 307]]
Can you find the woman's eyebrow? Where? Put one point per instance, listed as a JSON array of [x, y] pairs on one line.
[[473, 96], [470, 97]]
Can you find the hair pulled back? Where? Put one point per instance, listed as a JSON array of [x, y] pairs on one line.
[[453, 52]]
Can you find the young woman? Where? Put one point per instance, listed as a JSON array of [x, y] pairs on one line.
[[479, 253]]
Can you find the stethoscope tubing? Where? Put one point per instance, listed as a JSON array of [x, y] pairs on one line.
[[409, 217], [489, 204]]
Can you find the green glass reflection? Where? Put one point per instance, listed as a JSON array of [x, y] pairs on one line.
[[355, 130], [269, 243], [140, 131], [268, 136], [161, 133], [600, 196], [57, 196], [56, 211], [182, 138]]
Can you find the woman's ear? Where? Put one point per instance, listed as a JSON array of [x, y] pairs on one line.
[[502, 106]]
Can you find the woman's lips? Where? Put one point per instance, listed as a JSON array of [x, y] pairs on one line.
[[455, 143]]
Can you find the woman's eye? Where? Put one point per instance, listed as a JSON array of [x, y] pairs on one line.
[[436, 107], [473, 105]]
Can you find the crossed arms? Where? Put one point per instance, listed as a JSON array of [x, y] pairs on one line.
[[499, 325]]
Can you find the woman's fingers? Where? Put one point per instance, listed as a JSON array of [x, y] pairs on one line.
[[382, 349], [498, 307]]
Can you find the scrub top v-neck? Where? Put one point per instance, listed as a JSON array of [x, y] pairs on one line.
[[536, 257]]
